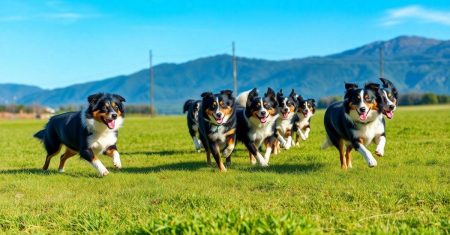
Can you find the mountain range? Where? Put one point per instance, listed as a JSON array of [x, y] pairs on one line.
[[412, 63]]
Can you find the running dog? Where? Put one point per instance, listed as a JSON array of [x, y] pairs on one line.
[[217, 126], [302, 120], [287, 107], [192, 107], [90, 132], [256, 124], [354, 123]]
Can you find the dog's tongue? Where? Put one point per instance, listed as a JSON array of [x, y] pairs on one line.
[[389, 114], [263, 119], [285, 115], [363, 116], [111, 123], [219, 121]]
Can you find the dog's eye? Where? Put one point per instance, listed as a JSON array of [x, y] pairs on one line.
[[116, 108]]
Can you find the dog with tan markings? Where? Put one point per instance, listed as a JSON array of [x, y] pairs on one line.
[[90, 132]]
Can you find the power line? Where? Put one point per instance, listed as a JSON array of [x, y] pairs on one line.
[[234, 71], [151, 74]]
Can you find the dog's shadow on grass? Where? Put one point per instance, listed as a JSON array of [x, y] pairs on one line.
[[287, 168], [179, 166], [41, 172], [164, 153], [196, 165]]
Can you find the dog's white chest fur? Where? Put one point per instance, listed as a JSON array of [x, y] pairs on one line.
[[101, 136], [370, 130], [303, 121], [218, 135], [259, 132], [283, 125]]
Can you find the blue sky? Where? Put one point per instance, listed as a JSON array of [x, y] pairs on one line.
[[55, 43]]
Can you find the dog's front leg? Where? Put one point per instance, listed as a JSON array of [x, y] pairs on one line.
[[365, 153], [112, 152], [300, 133], [307, 130], [88, 155], [215, 150], [381, 142], [254, 152]]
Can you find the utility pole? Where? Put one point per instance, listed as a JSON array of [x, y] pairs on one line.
[[234, 72], [152, 101], [381, 61]]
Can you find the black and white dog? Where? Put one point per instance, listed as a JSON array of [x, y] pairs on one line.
[[355, 123], [302, 120], [256, 124], [90, 132], [217, 126], [389, 96], [192, 107], [287, 107], [389, 100]]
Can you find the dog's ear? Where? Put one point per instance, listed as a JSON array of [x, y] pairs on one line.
[[300, 99], [280, 93], [251, 95], [92, 99], [120, 98], [375, 87], [270, 93], [389, 84], [293, 94], [229, 93], [349, 86], [205, 95]]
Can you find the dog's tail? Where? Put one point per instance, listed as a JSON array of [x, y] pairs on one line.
[[241, 99], [40, 134], [187, 104]]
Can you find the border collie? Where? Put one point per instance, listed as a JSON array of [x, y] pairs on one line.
[[217, 126], [302, 120], [192, 107], [389, 101], [389, 96], [90, 132], [256, 124], [354, 123], [284, 124]]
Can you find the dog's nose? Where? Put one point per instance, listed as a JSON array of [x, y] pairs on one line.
[[263, 113], [285, 110], [362, 110], [219, 114], [114, 116], [391, 106]]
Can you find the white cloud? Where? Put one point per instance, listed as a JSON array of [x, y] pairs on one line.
[[415, 13]]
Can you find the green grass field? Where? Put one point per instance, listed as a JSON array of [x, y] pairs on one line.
[[165, 187]]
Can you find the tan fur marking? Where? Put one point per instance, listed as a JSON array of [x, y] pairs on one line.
[[342, 154], [69, 153]]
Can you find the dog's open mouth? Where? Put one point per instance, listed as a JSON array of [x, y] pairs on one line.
[[110, 123], [285, 115], [362, 115], [305, 113], [218, 120], [389, 113], [263, 119]]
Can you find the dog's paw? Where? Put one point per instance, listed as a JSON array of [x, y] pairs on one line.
[[379, 152], [104, 172], [264, 164], [118, 165], [372, 163], [61, 170]]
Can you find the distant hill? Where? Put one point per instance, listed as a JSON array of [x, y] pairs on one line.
[[412, 63], [13, 93]]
